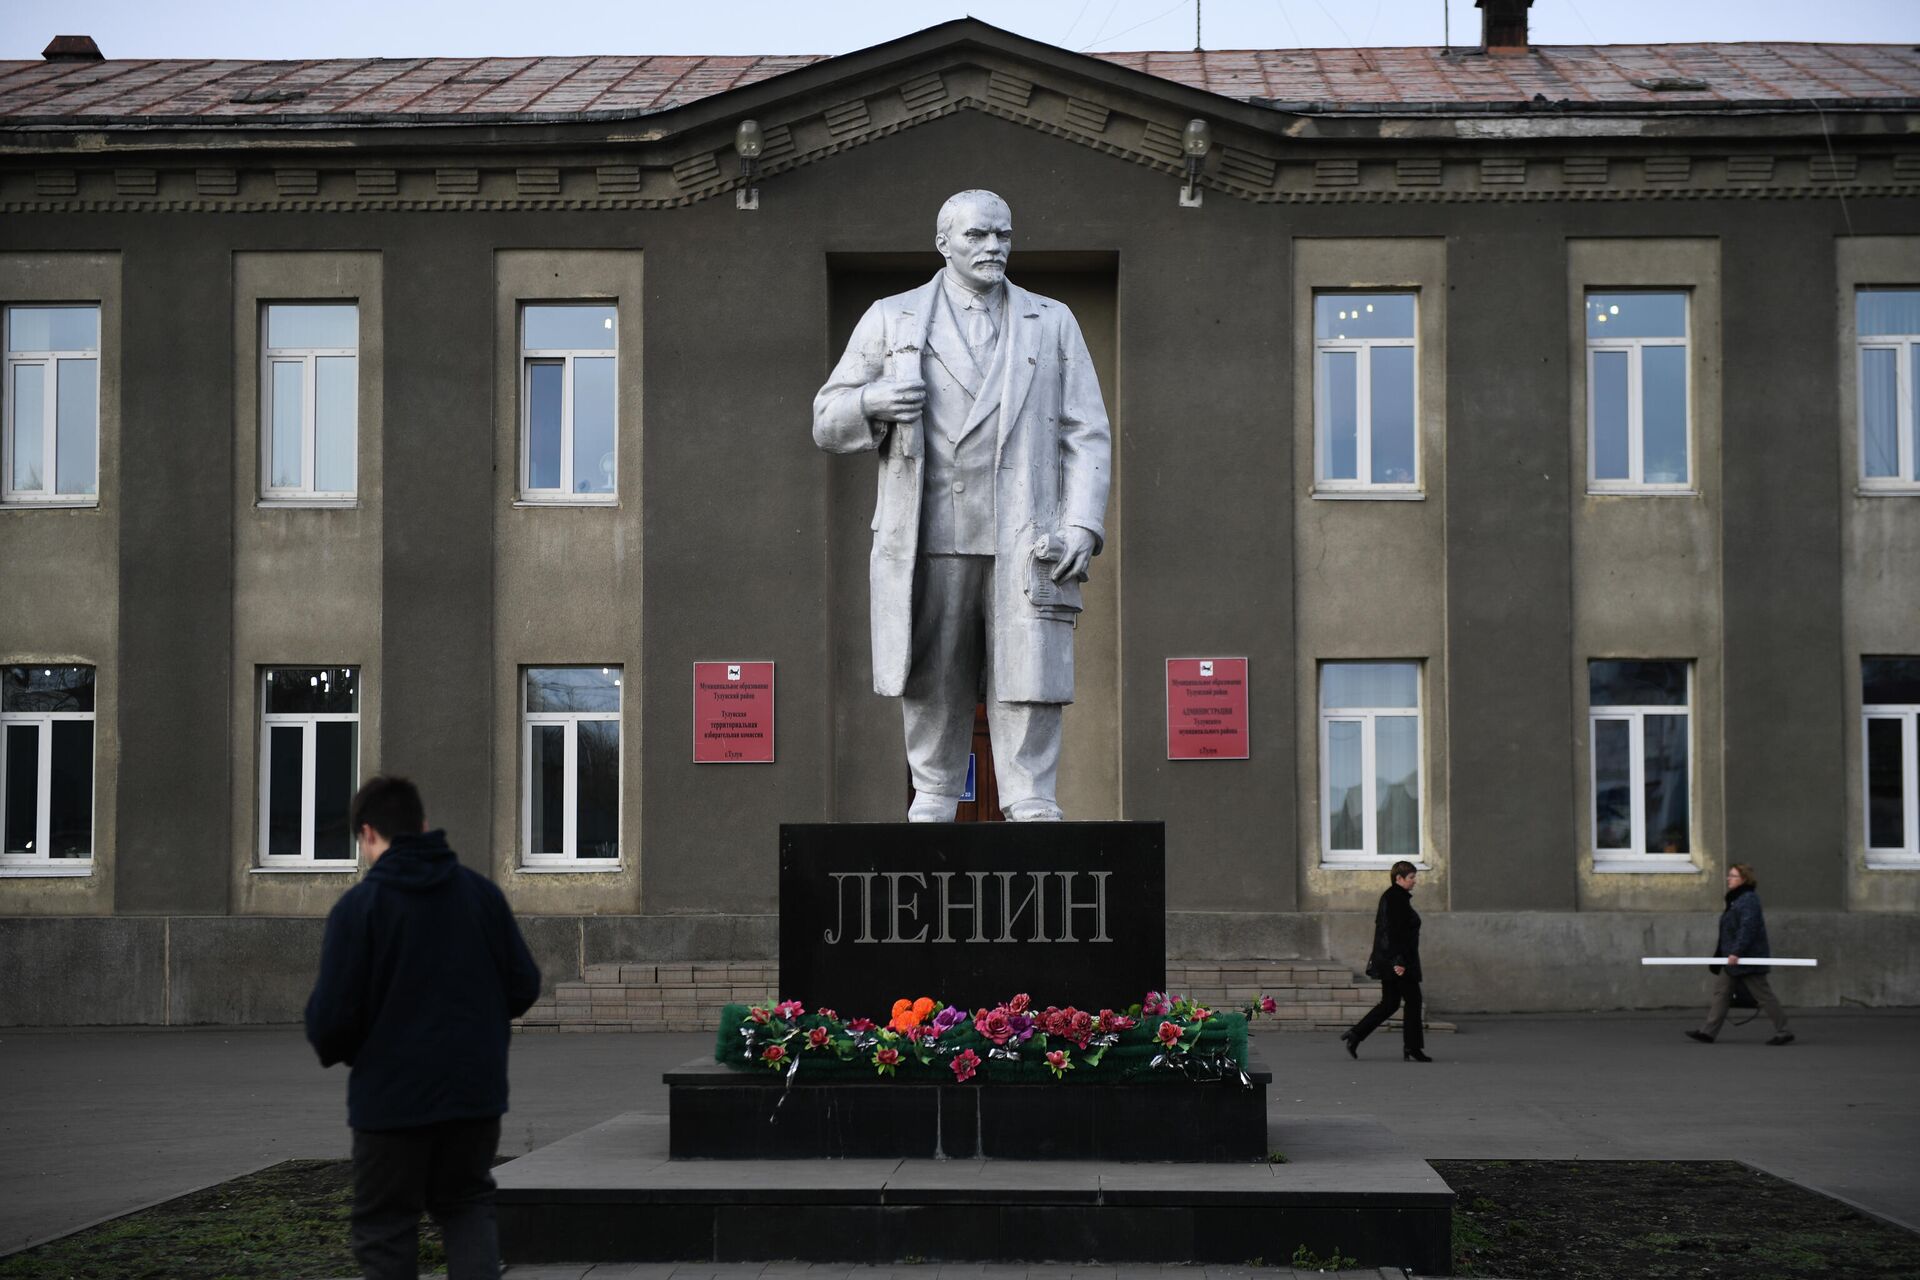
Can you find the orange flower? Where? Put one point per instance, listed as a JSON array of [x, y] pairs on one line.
[[908, 1014]]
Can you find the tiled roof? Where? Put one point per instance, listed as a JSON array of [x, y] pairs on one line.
[[455, 88]]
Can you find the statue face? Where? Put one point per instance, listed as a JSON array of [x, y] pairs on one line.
[[976, 243]]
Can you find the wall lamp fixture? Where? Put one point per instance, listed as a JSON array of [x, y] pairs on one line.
[[748, 142], [1195, 142]]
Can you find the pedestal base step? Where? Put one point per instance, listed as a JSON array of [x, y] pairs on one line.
[[612, 1194]]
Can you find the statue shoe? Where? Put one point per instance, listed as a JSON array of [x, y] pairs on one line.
[[928, 807], [1033, 811]]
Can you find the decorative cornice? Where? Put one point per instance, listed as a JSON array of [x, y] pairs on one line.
[[651, 171]]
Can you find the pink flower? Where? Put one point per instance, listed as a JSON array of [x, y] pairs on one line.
[[860, 1026], [1111, 1021], [1267, 1004], [817, 1038], [885, 1060], [828, 1014], [1169, 1034], [758, 1014], [918, 1033], [1057, 1059], [1199, 1014], [1156, 1003], [789, 1009], [1080, 1028], [1019, 1003], [995, 1024], [774, 1055], [965, 1065]]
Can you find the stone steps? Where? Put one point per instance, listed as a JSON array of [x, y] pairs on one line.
[[1312, 995]]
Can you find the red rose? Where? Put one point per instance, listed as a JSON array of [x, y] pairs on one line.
[[774, 1055], [758, 1014], [817, 1038], [1169, 1034], [829, 1015], [1267, 1004], [860, 1025], [1111, 1021], [1080, 1028], [995, 1024], [1019, 1003], [964, 1065]]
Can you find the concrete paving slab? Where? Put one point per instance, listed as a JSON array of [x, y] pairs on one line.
[[100, 1122]]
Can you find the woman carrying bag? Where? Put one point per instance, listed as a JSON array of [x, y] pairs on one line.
[[1396, 963], [1743, 932]]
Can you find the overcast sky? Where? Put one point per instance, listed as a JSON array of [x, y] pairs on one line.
[[413, 28]]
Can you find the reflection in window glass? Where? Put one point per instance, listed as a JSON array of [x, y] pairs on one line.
[[46, 764], [1640, 743], [1613, 784], [1364, 390], [1890, 709], [1880, 411], [572, 781], [51, 390], [1887, 313], [1663, 394], [32, 330], [311, 434], [570, 413], [310, 740], [1638, 399], [29, 410], [1370, 734]]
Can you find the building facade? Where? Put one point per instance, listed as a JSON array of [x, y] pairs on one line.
[[1539, 424]]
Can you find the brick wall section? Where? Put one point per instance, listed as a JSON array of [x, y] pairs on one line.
[[1313, 995]]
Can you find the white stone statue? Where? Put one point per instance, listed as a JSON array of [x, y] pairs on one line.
[[995, 458]]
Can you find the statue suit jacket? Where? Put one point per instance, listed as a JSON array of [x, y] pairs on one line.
[[1052, 467]]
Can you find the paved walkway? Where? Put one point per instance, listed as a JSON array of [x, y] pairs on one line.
[[98, 1123]]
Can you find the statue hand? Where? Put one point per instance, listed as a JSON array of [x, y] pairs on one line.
[[893, 399], [1079, 551]]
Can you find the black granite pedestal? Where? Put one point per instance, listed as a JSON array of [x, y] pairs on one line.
[[722, 1113]]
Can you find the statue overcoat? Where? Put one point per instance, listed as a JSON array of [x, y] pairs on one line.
[[1053, 464]]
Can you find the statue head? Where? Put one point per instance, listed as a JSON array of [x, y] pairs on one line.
[[974, 233]]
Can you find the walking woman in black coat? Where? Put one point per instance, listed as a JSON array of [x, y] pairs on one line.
[[1396, 962]]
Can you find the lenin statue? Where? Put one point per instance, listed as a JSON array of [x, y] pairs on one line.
[[995, 457]]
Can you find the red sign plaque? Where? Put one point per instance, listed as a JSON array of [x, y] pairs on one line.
[[1207, 709], [733, 713]]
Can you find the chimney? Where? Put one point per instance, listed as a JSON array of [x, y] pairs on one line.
[[1503, 25], [73, 49]]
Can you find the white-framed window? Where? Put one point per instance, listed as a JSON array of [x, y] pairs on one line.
[[1640, 739], [51, 446], [1365, 392], [569, 397], [1370, 762], [1639, 409], [570, 740], [46, 769], [1890, 723], [1887, 322], [309, 765], [309, 401]]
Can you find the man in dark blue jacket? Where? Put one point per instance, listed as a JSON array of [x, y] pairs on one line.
[[421, 974]]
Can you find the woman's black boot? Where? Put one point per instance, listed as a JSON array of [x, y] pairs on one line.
[[1414, 1055], [1353, 1046]]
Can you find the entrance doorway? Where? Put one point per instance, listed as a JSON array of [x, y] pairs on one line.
[[867, 728]]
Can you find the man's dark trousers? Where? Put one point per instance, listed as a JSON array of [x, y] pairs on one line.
[[443, 1169]]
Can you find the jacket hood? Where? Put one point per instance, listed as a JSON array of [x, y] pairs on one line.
[[416, 863]]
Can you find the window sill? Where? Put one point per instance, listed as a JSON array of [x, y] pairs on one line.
[[583, 868], [305, 504], [51, 504], [1658, 864], [47, 870], [1886, 491], [1368, 495], [1892, 861], [320, 869], [608, 502], [1641, 493], [1370, 864]]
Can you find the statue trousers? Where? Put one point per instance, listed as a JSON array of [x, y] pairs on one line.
[[952, 665]]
